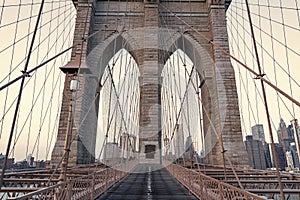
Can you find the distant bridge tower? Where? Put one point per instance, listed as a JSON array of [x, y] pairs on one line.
[[151, 33]]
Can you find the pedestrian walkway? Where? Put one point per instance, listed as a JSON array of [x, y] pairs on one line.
[[148, 181]]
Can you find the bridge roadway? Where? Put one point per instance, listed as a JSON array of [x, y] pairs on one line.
[[148, 181]]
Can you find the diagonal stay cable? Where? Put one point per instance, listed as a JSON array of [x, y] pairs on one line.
[[82, 121], [265, 50], [282, 197], [28, 18], [234, 58], [253, 57], [269, 19], [34, 49], [20, 95], [182, 102], [211, 43], [33, 70]]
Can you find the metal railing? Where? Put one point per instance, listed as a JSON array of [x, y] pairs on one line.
[[86, 187], [207, 188]]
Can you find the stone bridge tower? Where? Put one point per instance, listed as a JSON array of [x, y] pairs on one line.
[[151, 31]]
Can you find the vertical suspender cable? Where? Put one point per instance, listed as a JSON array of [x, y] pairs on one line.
[[266, 104], [11, 62], [52, 85], [273, 58], [33, 93], [20, 94], [235, 59], [246, 83], [1, 13], [43, 97], [286, 53]]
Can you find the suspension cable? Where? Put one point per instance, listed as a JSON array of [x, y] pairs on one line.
[[266, 105], [19, 96], [234, 58]]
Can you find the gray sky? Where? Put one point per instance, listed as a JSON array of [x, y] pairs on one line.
[[38, 87], [274, 58]]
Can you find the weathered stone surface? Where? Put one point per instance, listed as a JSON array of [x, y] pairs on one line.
[[151, 34]]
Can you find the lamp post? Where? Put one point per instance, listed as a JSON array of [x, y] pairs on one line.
[[64, 164]]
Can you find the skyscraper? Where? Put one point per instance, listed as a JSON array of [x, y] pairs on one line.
[[255, 151], [296, 137], [258, 132], [179, 141], [289, 159], [267, 153], [294, 154], [290, 132], [283, 135], [280, 156]]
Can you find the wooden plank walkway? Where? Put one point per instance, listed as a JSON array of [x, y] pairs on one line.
[[148, 181]]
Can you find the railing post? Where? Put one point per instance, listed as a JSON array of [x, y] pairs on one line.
[[173, 170], [93, 186], [201, 186], [121, 169], [69, 190], [190, 183], [106, 179], [220, 191], [204, 187], [125, 169], [115, 176], [56, 193]]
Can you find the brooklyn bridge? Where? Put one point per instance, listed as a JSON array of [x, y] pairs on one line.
[[149, 99]]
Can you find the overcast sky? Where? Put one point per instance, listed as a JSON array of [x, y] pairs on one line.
[[276, 25]]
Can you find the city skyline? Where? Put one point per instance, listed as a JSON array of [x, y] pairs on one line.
[[260, 153]]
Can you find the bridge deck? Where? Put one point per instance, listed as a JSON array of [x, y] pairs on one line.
[[148, 181]]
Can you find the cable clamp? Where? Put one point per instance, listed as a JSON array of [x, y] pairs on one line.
[[98, 89], [202, 83], [259, 76], [25, 74], [224, 151]]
